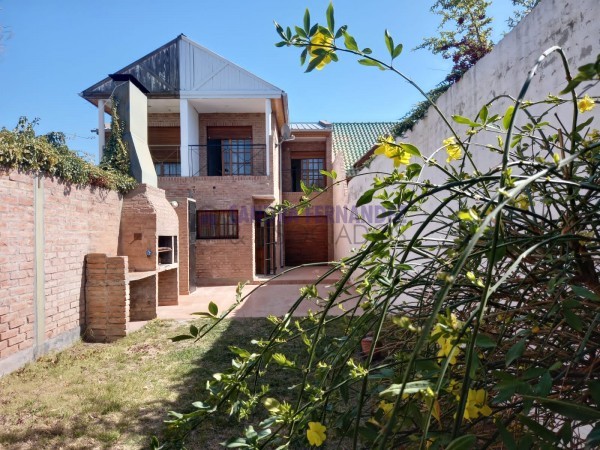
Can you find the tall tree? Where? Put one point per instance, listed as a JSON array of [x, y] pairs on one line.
[[465, 34], [523, 7]]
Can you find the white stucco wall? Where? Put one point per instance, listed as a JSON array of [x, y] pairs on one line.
[[571, 24]]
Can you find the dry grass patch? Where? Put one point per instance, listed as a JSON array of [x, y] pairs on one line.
[[117, 395]]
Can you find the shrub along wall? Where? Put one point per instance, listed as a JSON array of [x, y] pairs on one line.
[[47, 228]]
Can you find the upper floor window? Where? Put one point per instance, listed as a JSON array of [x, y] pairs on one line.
[[229, 151], [308, 170]]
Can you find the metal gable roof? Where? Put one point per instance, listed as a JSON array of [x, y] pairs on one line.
[[184, 69]]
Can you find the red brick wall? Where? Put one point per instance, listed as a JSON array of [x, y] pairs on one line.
[[77, 221], [16, 263]]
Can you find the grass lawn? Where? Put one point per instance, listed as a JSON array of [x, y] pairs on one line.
[[117, 395]]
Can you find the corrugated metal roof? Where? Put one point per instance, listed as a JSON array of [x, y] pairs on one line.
[[354, 139], [310, 126]]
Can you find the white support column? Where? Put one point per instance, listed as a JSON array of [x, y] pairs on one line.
[[268, 137], [184, 153], [101, 136]]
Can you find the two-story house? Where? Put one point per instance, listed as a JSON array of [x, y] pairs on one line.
[[217, 135]]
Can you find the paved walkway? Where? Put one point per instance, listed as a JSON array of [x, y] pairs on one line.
[[274, 298]]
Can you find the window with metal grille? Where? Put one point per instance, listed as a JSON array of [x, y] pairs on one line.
[[217, 224], [309, 171]]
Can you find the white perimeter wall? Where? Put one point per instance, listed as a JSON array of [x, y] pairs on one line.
[[571, 24]]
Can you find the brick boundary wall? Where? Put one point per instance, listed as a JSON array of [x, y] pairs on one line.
[[42, 277]]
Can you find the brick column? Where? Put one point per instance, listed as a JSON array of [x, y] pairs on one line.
[[107, 297]]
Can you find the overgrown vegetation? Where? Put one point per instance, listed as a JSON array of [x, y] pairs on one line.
[[481, 293], [116, 155], [21, 149]]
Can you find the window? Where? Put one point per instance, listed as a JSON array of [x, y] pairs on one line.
[[309, 171], [168, 169], [229, 151], [217, 224]]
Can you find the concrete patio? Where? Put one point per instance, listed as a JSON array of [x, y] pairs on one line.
[[274, 298]]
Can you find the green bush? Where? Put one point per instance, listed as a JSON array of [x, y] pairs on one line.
[[481, 293], [21, 149]]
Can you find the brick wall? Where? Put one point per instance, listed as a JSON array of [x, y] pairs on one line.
[[255, 120], [76, 221], [16, 264], [223, 260], [107, 297]]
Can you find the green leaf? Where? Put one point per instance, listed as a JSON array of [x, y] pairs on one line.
[[508, 116], [410, 388], [213, 309], [300, 32], [409, 148], [594, 386], [279, 29], [593, 439], [571, 410], [235, 443], [515, 352], [366, 197], [465, 442], [538, 429], [389, 42], [272, 405], [464, 121], [573, 319], [580, 291], [507, 439], [181, 337], [483, 114], [315, 62], [397, 51], [307, 21], [484, 341], [330, 20], [370, 62], [194, 330], [349, 42], [303, 56]]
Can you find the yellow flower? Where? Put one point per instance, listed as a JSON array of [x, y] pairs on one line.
[[477, 404], [321, 40], [522, 202], [586, 104], [386, 407], [390, 149], [452, 148], [316, 433]]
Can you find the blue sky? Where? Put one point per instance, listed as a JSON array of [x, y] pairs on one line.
[[57, 48]]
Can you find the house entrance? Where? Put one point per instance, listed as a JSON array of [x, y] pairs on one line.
[[264, 232]]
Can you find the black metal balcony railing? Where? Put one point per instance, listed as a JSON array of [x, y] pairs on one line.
[[229, 158]]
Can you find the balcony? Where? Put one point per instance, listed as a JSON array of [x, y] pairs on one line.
[[228, 158]]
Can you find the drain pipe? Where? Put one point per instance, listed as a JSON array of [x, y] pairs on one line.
[[39, 304]]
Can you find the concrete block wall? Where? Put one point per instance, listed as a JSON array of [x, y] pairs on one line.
[[572, 25], [107, 297], [71, 223]]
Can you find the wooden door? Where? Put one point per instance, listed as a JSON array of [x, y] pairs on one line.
[[305, 240]]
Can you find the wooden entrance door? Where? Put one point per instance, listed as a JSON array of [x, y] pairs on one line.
[[264, 238]]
